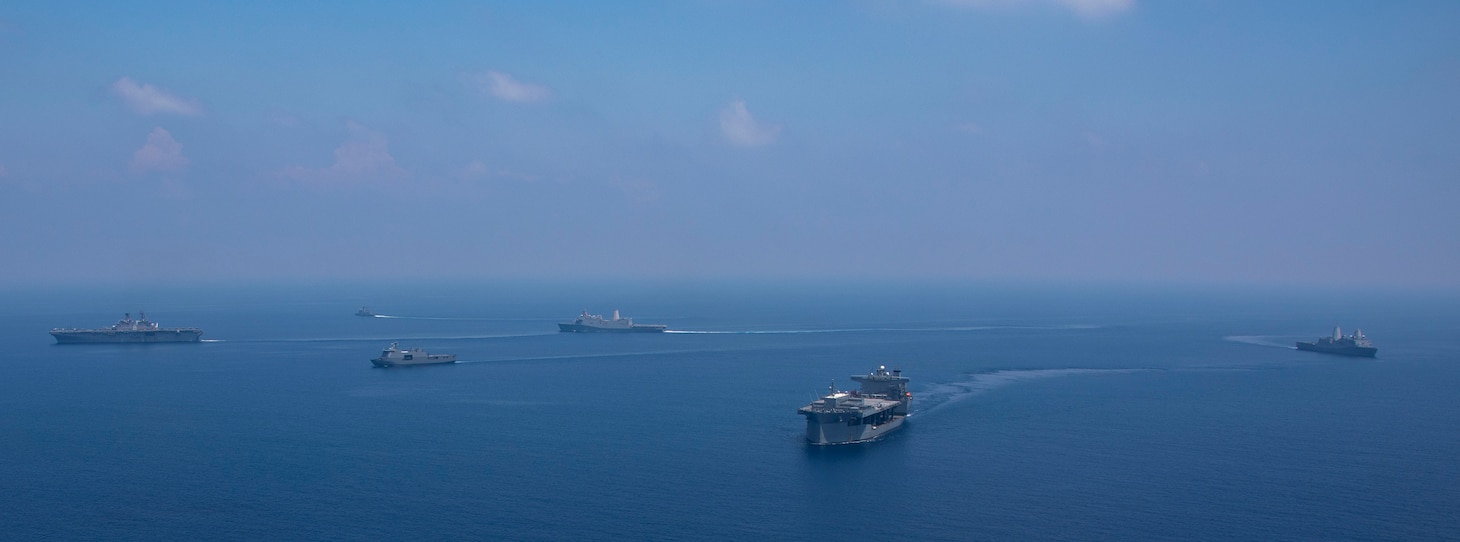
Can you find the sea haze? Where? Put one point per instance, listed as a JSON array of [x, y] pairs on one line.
[[1039, 413]]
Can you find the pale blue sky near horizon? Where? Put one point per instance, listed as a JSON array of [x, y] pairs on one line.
[[1131, 141]]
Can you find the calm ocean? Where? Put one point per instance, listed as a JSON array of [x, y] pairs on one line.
[[1060, 413]]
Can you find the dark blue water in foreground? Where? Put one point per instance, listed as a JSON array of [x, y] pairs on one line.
[[1115, 415]]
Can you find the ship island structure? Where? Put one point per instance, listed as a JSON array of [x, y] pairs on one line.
[[1351, 345], [850, 417], [593, 323], [128, 330]]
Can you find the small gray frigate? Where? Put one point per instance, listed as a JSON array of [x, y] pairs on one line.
[[593, 323], [394, 356], [847, 417], [128, 330], [1352, 345]]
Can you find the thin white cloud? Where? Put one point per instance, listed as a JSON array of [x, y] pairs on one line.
[[161, 154], [280, 118], [638, 190], [1096, 9], [475, 170], [503, 87], [147, 99], [740, 127], [1088, 9], [364, 157]]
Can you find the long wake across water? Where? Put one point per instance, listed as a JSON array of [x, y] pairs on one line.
[[1270, 341], [382, 338], [942, 394], [879, 329], [460, 319]]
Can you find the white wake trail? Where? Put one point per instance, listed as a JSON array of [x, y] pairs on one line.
[[938, 395], [878, 329], [1261, 340]]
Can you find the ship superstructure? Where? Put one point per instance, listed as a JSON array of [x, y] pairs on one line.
[[593, 323], [1350, 345], [847, 417], [128, 330]]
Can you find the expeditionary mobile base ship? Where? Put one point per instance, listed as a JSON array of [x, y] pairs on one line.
[[849, 417], [128, 330]]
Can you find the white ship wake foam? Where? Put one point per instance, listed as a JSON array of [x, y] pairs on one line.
[[879, 329], [938, 395], [609, 355], [385, 338], [1263, 340], [460, 319]]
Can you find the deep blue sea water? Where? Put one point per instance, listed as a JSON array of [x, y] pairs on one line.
[[1040, 413]]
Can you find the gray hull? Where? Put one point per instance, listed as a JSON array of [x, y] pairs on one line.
[[106, 336], [636, 328], [850, 417], [387, 363], [1341, 350], [830, 434]]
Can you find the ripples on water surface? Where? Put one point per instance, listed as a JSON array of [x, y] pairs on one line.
[[1075, 416]]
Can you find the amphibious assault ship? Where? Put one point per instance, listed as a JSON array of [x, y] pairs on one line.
[[393, 356], [593, 323], [128, 330], [847, 417], [1352, 345]]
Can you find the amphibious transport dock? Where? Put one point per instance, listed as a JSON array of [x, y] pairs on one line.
[[848, 417], [593, 323], [394, 356], [1352, 345], [128, 330]]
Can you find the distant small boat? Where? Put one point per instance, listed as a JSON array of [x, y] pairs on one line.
[[393, 356], [365, 312], [1352, 345]]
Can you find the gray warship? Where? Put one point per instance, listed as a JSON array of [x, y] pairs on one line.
[[394, 356], [593, 323], [1351, 345], [849, 417], [128, 330]]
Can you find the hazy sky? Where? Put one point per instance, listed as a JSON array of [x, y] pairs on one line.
[[1073, 140]]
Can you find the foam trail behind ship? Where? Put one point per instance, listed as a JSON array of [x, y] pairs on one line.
[[602, 355], [1260, 340], [460, 319], [392, 338], [938, 395], [878, 329]]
